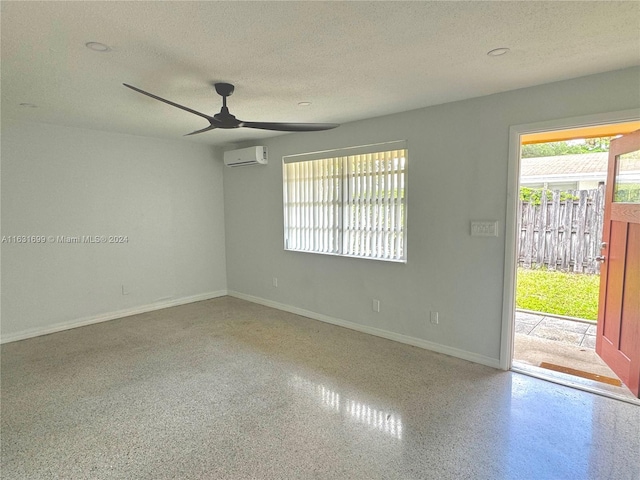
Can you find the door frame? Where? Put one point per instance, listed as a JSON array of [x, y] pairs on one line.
[[513, 188]]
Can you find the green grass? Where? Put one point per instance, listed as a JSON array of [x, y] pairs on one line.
[[570, 294]]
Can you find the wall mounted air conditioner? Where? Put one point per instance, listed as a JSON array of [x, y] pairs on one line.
[[246, 156]]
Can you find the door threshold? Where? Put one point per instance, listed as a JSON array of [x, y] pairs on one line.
[[591, 386]]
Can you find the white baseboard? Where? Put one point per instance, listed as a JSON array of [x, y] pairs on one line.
[[103, 317], [378, 332]]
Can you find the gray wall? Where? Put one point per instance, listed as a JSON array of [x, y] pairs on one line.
[[166, 196], [458, 158]]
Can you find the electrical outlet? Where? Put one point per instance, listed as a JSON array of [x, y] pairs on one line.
[[125, 290], [275, 282], [375, 305], [434, 318]]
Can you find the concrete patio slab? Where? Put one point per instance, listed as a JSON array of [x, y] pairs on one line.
[[529, 318], [541, 338], [589, 341], [521, 327], [557, 335], [566, 325], [534, 350]]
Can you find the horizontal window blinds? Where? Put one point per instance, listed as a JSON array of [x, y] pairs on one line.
[[352, 205]]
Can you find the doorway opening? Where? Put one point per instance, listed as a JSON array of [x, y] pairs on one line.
[[558, 223]]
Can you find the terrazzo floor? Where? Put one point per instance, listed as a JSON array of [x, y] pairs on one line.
[[227, 389]]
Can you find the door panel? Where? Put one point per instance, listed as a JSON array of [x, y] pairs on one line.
[[615, 280], [618, 338], [629, 331]]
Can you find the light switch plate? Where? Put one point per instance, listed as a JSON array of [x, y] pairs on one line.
[[484, 228]]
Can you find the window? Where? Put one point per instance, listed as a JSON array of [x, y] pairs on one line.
[[350, 202]]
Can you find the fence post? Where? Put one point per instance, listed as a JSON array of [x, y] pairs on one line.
[[554, 220], [542, 229]]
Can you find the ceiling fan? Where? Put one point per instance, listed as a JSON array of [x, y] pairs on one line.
[[224, 119]]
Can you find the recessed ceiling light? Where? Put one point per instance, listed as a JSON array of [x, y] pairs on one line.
[[97, 47], [304, 104], [496, 52], [28, 105]]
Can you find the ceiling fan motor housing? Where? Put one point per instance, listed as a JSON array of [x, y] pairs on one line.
[[224, 89]]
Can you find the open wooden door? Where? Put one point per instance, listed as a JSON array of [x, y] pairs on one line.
[[618, 338]]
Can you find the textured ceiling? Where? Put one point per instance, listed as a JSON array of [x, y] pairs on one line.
[[352, 60]]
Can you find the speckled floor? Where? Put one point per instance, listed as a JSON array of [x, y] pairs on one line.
[[226, 389]]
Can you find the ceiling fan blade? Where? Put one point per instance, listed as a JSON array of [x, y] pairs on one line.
[[290, 127], [210, 127], [167, 101]]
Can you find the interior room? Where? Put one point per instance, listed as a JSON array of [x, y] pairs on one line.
[[155, 321]]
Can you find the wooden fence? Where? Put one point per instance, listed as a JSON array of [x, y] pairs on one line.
[[562, 231]]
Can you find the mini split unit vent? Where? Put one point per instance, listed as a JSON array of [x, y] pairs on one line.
[[246, 156]]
